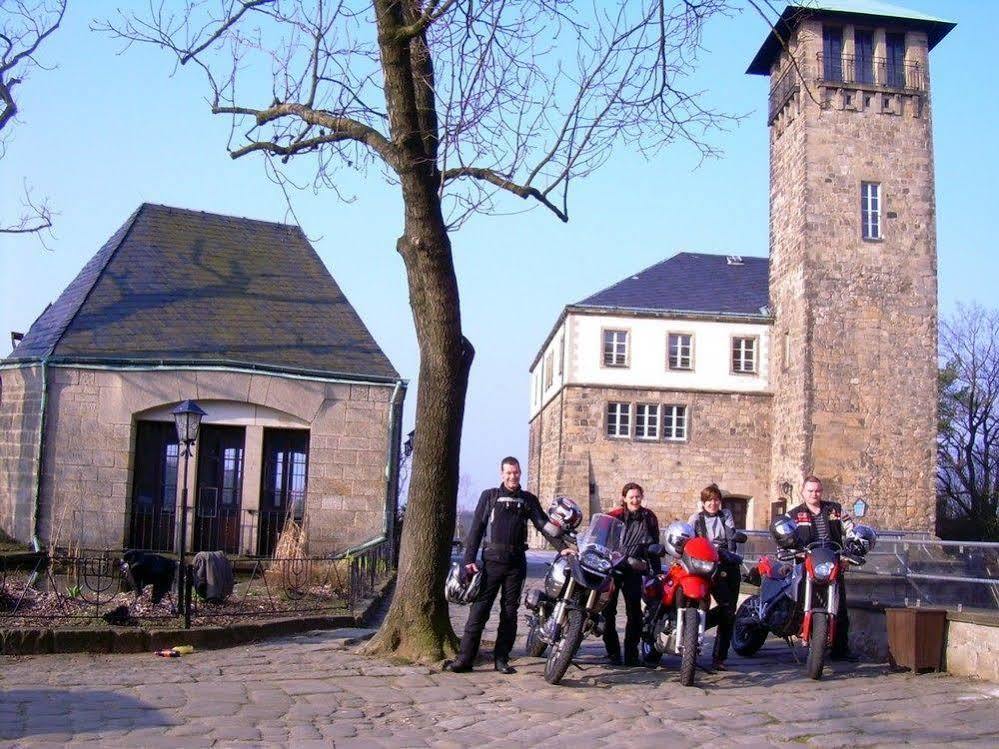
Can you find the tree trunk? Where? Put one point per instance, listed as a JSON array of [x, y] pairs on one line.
[[418, 625]]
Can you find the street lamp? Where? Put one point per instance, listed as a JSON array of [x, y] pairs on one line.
[[187, 416]]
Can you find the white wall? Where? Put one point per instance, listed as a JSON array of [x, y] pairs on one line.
[[647, 341]]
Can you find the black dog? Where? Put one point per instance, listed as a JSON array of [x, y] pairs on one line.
[[140, 568]]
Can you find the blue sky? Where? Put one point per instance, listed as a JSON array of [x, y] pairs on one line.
[[104, 132]]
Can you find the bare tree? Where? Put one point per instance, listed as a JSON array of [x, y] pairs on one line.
[[968, 440], [24, 26], [460, 104]]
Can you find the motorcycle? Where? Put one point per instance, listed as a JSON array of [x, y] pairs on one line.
[[677, 604], [576, 590], [799, 597]]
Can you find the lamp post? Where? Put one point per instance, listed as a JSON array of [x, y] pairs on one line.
[[187, 416]]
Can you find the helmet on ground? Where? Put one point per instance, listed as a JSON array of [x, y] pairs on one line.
[[783, 531], [677, 534], [863, 538], [563, 515], [461, 586]]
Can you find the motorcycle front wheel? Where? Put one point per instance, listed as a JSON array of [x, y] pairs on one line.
[[817, 644], [563, 650], [688, 646], [535, 646], [748, 635]]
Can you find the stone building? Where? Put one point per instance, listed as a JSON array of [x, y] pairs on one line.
[[842, 346], [303, 408]]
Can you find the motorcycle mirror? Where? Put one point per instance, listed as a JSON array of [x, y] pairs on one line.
[[657, 550]]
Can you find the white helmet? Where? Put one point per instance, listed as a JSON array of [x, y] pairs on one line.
[[563, 515], [677, 534], [461, 587]]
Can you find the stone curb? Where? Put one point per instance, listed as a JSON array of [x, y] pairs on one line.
[[130, 640]]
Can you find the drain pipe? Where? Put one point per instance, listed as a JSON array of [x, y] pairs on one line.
[[392, 458]]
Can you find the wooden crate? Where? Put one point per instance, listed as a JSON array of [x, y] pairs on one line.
[[916, 638]]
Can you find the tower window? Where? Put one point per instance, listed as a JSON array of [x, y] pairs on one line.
[[832, 53], [744, 355], [615, 348], [895, 60], [870, 210], [681, 351], [618, 420], [675, 423], [549, 369], [864, 56]]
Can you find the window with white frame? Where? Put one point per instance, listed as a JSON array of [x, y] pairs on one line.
[[619, 420], [647, 421], [560, 355], [681, 351], [675, 423], [870, 210], [615, 348], [549, 370], [744, 355]]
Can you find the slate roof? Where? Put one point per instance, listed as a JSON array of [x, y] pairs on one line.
[[178, 286], [691, 282], [870, 10]]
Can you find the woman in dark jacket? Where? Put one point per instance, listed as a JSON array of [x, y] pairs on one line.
[[718, 526], [641, 528]]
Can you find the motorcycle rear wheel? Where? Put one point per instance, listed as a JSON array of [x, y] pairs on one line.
[[688, 645], [748, 635], [817, 644], [535, 646], [563, 650]]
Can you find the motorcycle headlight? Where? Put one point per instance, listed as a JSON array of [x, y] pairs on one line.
[[699, 566], [823, 570], [595, 562]]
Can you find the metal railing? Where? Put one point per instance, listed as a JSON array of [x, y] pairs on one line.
[[782, 91], [63, 590], [915, 569], [244, 533], [870, 71]]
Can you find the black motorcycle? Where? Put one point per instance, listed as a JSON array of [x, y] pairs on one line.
[[576, 590]]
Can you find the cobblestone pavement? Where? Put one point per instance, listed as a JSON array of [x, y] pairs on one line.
[[316, 690]]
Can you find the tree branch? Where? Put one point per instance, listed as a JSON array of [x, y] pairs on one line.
[[494, 178]]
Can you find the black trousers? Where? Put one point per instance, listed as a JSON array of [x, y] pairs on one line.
[[507, 576], [631, 588], [726, 594], [841, 637]]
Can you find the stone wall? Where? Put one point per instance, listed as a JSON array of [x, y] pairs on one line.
[[973, 645], [20, 430], [859, 383], [88, 461], [729, 438]]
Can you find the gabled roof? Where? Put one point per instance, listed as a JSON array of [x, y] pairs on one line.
[[692, 282], [175, 286], [870, 11]]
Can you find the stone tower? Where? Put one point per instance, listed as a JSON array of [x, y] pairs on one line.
[[853, 276]]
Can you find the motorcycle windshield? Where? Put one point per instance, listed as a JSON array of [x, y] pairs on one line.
[[604, 534]]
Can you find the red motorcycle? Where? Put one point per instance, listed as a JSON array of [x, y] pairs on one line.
[[677, 601]]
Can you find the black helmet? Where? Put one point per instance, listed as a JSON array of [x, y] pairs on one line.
[[461, 586], [863, 538], [783, 530]]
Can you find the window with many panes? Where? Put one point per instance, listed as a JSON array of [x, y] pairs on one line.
[[549, 369], [681, 351], [744, 355], [675, 423], [615, 348], [647, 421], [619, 420], [870, 210]]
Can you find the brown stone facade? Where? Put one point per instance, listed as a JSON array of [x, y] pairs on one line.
[[90, 431], [855, 320], [728, 443]]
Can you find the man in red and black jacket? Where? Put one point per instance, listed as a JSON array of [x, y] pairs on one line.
[[500, 527], [819, 520], [641, 528]]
